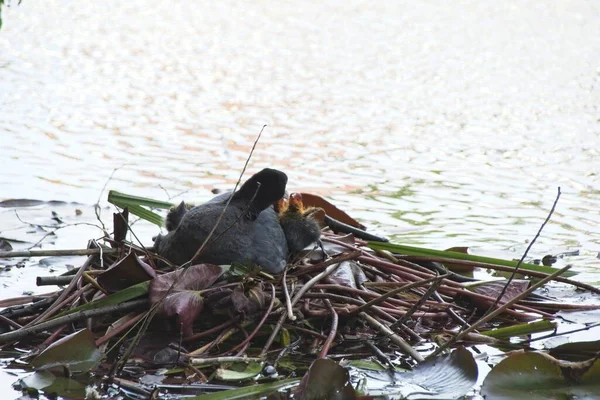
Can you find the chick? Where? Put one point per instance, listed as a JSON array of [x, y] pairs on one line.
[[175, 216], [302, 226]]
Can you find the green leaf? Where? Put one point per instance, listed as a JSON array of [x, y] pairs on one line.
[[77, 351], [135, 205], [125, 200], [522, 329], [285, 337], [538, 376], [424, 252], [239, 372], [247, 392], [116, 298]]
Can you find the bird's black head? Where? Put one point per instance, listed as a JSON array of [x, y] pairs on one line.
[[262, 189]]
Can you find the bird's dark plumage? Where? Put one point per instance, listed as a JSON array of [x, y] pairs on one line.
[[249, 231]]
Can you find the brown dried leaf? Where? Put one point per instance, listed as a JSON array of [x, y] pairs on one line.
[[312, 200], [126, 272]]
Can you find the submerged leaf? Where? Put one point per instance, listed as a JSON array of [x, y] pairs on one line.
[[178, 292], [51, 384], [325, 379], [76, 351], [444, 377], [494, 288], [537, 376]]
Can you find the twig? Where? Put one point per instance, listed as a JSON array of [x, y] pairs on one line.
[[47, 253], [502, 268], [204, 362], [210, 331], [298, 296], [512, 276], [97, 205], [393, 337], [394, 292], [260, 324], [16, 301], [498, 311], [332, 330], [54, 228], [419, 303], [67, 319], [286, 295], [214, 228], [119, 329], [64, 293], [10, 322], [53, 280]]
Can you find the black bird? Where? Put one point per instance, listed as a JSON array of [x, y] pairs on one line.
[[249, 231]]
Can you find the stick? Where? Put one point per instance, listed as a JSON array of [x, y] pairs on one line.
[[53, 280], [286, 295], [297, 297], [498, 311], [512, 276], [50, 253], [218, 360], [199, 251], [394, 292], [78, 316], [393, 337]]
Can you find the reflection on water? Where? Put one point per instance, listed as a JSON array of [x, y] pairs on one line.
[[442, 123]]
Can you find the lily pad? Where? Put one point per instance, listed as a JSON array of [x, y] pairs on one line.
[[325, 379], [445, 377], [538, 376], [53, 385], [77, 351], [576, 351]]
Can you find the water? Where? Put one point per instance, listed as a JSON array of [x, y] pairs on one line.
[[437, 123], [443, 124]]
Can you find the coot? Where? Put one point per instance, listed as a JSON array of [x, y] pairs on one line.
[[249, 231]]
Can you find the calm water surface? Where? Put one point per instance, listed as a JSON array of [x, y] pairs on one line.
[[439, 123]]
